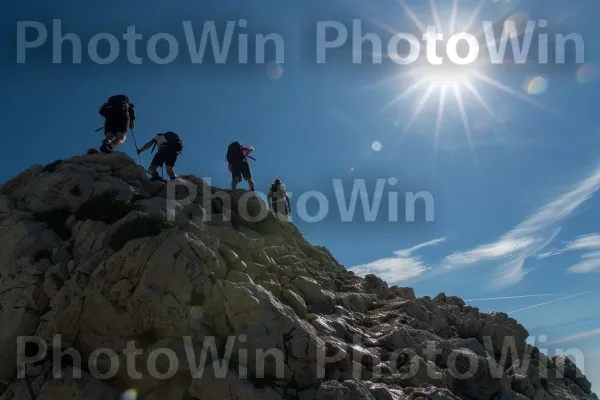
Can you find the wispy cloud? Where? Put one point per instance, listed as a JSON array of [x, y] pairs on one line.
[[408, 252], [402, 267], [492, 251], [591, 263], [553, 301], [515, 297], [591, 321], [530, 237], [590, 260], [577, 336], [585, 242], [550, 253]]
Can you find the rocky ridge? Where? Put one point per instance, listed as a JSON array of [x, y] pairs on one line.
[[193, 296]]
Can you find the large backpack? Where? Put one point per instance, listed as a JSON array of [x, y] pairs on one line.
[[276, 191], [116, 106], [173, 140], [234, 153]]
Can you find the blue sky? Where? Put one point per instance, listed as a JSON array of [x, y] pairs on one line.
[[515, 188]]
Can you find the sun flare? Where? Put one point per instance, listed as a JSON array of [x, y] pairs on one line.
[[441, 77], [426, 83]]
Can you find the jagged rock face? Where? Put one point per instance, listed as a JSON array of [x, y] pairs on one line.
[[188, 292]]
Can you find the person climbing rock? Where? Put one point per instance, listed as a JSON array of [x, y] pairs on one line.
[[237, 157], [278, 199], [119, 114], [169, 148]]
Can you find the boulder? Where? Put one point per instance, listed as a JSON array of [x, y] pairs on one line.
[[209, 297]]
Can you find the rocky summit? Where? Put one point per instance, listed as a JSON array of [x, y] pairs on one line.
[[116, 287]]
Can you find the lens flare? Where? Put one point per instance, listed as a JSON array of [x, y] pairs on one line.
[[376, 146], [274, 71], [537, 85], [588, 73], [515, 24]]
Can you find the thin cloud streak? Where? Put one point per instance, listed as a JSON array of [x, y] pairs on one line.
[[491, 251], [590, 261], [515, 297], [573, 325], [584, 242], [549, 254], [403, 267], [578, 336], [591, 264], [554, 301], [532, 236], [561, 208], [408, 252]]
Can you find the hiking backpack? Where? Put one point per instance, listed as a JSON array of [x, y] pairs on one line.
[[116, 106], [173, 140], [276, 191], [234, 153]]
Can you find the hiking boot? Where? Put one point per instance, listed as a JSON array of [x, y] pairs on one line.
[[106, 147]]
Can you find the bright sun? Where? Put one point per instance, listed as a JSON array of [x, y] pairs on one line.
[[448, 79], [445, 77]]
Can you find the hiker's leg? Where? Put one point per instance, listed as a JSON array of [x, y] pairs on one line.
[[248, 175], [106, 147], [110, 129], [119, 126], [171, 172], [119, 138], [236, 175], [156, 162], [170, 160]]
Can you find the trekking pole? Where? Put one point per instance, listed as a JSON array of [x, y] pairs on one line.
[[136, 148]]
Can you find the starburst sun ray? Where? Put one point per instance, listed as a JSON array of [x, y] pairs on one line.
[[419, 108], [402, 95], [461, 80], [413, 16]]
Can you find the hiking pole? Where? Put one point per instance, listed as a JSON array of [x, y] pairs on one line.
[[136, 148]]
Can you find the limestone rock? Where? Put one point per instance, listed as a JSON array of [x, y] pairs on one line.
[[188, 278]]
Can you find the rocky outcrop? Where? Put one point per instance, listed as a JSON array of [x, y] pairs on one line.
[[112, 286]]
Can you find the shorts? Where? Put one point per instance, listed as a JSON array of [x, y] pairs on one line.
[[116, 125], [241, 170], [166, 155], [280, 206]]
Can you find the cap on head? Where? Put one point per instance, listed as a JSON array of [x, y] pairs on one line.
[[277, 181]]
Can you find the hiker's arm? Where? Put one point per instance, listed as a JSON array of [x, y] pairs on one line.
[[146, 146], [287, 199]]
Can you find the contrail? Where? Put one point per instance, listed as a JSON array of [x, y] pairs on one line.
[[581, 335], [553, 301], [515, 297], [552, 329]]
